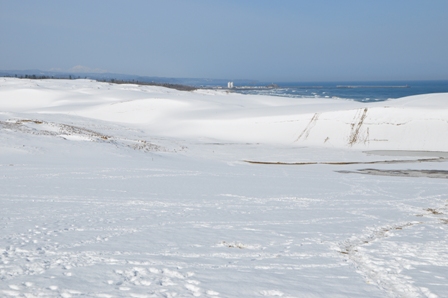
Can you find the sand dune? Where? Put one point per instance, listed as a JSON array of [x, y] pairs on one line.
[[412, 123], [136, 191]]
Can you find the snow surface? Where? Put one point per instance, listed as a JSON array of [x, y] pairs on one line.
[[141, 191]]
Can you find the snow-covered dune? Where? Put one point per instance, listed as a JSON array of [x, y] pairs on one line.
[[141, 191], [412, 123]]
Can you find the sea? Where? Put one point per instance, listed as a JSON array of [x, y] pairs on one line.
[[357, 91]]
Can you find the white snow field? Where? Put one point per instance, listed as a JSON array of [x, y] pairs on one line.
[[141, 191]]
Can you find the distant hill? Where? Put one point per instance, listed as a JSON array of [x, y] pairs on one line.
[[196, 82]]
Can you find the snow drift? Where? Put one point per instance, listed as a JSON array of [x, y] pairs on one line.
[[411, 123]]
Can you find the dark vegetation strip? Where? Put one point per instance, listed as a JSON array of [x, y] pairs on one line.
[[438, 159], [179, 87], [443, 174]]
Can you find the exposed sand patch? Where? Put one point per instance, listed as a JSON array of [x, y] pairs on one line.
[[401, 173], [443, 154], [338, 163]]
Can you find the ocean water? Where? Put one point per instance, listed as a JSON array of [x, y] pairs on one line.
[[358, 91]]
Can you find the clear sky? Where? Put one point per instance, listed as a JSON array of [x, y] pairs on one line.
[[287, 40]]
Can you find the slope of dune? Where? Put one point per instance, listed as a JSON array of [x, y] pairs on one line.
[[136, 191], [413, 123]]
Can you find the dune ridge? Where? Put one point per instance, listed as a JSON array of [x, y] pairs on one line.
[[411, 123]]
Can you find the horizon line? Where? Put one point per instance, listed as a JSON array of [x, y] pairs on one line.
[[102, 74]]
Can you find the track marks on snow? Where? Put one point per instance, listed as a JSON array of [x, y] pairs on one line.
[[390, 264], [159, 282], [129, 281]]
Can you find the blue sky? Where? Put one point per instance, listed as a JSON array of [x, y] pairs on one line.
[[288, 40]]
